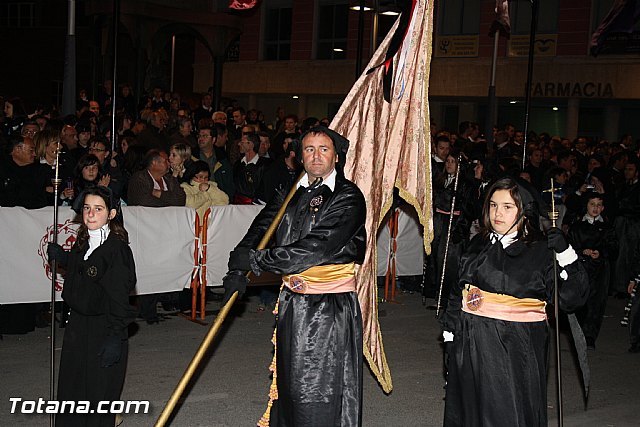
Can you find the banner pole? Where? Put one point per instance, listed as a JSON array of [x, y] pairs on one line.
[[215, 326]]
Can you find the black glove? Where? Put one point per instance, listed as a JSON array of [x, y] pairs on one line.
[[556, 240], [110, 351], [239, 259], [55, 252], [233, 282]]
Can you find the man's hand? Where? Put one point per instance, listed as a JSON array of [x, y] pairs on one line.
[[239, 259], [233, 282]]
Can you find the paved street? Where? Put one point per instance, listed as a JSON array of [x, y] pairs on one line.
[[231, 388]]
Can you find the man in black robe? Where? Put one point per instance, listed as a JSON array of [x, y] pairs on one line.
[[319, 326]]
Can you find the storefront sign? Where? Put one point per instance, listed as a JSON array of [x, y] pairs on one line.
[[456, 46], [572, 90], [544, 45], [621, 43]]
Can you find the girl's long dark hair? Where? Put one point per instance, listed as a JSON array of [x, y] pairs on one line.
[[526, 230], [115, 227]]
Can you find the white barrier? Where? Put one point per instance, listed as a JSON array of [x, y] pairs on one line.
[[162, 242], [409, 251]]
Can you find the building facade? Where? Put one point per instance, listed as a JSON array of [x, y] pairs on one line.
[[304, 56]]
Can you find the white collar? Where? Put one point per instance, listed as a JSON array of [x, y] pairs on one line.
[[504, 239], [96, 238], [254, 160], [329, 182], [591, 219]]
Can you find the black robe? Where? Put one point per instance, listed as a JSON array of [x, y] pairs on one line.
[[464, 211], [97, 291], [319, 337], [497, 368], [598, 236]]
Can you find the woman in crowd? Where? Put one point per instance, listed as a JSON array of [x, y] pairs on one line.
[[47, 144], [100, 275], [201, 192], [88, 173], [179, 160], [495, 326]]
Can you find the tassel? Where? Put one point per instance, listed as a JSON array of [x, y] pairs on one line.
[[273, 388]]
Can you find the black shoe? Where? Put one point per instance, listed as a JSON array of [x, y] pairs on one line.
[[153, 321], [591, 343]]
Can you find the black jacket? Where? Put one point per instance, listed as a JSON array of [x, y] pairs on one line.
[[319, 227], [23, 185]]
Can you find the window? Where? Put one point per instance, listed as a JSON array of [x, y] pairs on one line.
[[520, 14], [459, 17], [18, 15], [277, 34], [332, 31]]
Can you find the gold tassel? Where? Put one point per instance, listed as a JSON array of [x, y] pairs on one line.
[[273, 388]]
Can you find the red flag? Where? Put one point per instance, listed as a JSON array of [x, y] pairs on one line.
[[390, 147], [242, 4]]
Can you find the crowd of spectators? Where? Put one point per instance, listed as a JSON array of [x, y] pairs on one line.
[[170, 153], [160, 148], [166, 153]]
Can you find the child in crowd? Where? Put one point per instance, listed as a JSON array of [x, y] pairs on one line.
[[201, 192], [594, 240]]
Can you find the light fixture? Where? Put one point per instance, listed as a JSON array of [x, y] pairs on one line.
[[295, 96], [337, 49], [555, 108], [513, 102], [390, 13], [366, 8]]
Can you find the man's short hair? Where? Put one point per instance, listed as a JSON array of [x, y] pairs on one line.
[[14, 141], [501, 136], [151, 156], [242, 111], [443, 138], [464, 126], [212, 130], [216, 113], [183, 120]]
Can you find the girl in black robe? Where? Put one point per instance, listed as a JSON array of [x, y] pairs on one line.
[[100, 275], [495, 326]]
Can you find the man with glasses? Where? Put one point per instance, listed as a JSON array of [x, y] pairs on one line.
[[30, 129], [221, 171], [22, 182]]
